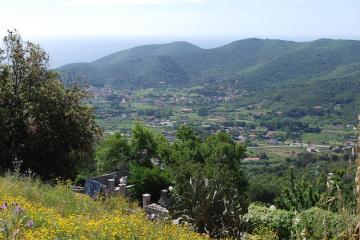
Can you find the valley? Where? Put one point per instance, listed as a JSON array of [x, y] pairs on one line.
[[271, 137]]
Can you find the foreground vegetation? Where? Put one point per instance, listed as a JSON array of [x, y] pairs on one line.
[[48, 128], [33, 210]]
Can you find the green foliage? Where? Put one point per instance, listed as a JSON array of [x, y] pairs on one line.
[[187, 134], [35, 210], [114, 153], [216, 157], [144, 66], [263, 156], [144, 154], [43, 125], [264, 192], [13, 218], [210, 186], [148, 180], [219, 149], [143, 145], [277, 220], [274, 70], [262, 233], [209, 206], [316, 223], [302, 194]]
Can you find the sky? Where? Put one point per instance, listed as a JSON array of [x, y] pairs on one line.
[[98, 27]]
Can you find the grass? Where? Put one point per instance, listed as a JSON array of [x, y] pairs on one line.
[[39, 211], [325, 137]]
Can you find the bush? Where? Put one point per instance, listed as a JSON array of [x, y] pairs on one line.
[[262, 234], [148, 180], [316, 223], [311, 224], [279, 221]]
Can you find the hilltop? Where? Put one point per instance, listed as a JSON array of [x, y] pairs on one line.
[[253, 63], [307, 73]]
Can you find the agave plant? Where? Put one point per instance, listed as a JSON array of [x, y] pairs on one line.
[[208, 207]]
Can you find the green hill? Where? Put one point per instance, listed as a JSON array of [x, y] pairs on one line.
[[254, 63], [283, 72], [144, 66]]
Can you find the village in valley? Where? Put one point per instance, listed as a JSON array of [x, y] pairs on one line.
[[222, 109]]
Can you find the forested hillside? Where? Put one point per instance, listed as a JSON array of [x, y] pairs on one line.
[[283, 73], [252, 63]]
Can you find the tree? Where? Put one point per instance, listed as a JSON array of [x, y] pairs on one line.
[[211, 190], [143, 144], [148, 180], [186, 148], [43, 124], [221, 150], [114, 153]]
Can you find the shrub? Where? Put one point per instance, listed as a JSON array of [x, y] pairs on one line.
[[311, 224], [262, 234], [303, 193], [277, 220], [148, 180], [316, 223]]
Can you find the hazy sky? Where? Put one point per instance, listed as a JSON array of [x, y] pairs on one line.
[[47, 21]]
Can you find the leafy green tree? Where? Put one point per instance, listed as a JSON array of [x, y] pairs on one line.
[[114, 153], [43, 124], [143, 145], [163, 149], [186, 133], [211, 190], [221, 150], [187, 146], [148, 180]]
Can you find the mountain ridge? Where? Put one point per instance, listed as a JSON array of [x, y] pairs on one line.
[[257, 65]]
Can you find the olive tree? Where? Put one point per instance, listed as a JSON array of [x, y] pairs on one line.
[[43, 124]]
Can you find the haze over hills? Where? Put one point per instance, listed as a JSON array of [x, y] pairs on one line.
[[320, 72], [252, 62]]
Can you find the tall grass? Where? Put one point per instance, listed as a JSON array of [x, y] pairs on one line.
[[31, 209]]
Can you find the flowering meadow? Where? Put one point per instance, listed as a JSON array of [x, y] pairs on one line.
[[32, 210]]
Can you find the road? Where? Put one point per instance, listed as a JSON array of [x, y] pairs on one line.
[[290, 146]]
